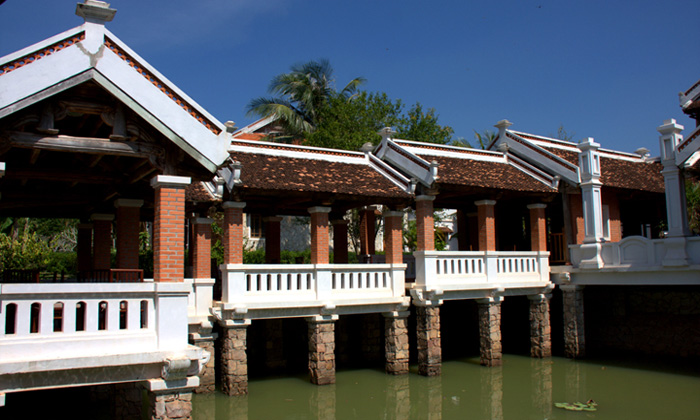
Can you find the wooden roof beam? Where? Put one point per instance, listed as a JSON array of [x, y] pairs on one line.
[[89, 145]]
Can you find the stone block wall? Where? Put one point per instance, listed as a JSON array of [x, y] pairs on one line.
[[651, 320]]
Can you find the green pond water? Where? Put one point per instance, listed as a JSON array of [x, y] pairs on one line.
[[523, 388]]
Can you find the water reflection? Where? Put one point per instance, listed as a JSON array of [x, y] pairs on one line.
[[322, 402], [541, 386], [492, 392], [398, 397]]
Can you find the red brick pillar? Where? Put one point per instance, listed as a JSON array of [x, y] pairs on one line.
[[319, 234], [487, 225], [200, 250], [393, 240], [340, 241], [84, 246], [367, 221], [102, 241], [169, 228], [425, 223], [272, 240], [128, 218], [538, 227], [233, 232]]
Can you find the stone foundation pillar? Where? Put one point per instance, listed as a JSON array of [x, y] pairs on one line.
[[574, 331], [234, 359], [167, 401], [396, 342], [540, 330], [429, 344], [490, 331], [322, 349], [205, 339]]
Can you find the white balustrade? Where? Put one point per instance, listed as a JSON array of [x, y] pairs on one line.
[[284, 285], [61, 320], [638, 252], [460, 270]]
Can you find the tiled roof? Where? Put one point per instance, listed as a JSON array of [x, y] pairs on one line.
[[197, 192], [271, 172], [484, 174], [643, 176]]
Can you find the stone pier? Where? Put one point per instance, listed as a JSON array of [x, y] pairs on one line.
[[540, 330], [205, 339], [490, 331], [396, 342], [574, 332], [170, 399], [322, 349], [429, 343], [234, 360]]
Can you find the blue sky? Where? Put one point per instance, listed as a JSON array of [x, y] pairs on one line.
[[604, 69]]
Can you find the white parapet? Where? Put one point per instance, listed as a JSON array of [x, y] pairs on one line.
[[302, 289], [439, 273]]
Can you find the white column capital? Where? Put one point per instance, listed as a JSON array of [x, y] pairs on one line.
[[233, 204], [202, 221], [127, 202], [319, 209], [536, 206], [102, 217], [172, 181], [485, 203], [425, 198], [393, 214], [2, 169]]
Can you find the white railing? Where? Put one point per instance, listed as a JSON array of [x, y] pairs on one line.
[[460, 270], [409, 260], [73, 320], [200, 299], [638, 252], [286, 285]]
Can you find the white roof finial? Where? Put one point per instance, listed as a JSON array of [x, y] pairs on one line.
[[95, 11]]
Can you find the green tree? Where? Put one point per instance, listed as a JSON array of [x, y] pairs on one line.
[[302, 95], [423, 126], [350, 124]]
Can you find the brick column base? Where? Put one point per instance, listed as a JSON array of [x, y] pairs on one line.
[[396, 343], [490, 331], [429, 344], [540, 330], [574, 332], [322, 350], [234, 360]]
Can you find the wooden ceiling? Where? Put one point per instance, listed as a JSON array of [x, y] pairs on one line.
[[74, 153]]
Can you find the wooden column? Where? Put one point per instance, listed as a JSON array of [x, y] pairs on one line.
[[128, 218], [200, 250], [367, 222], [319, 234], [169, 228], [272, 239], [233, 232], [393, 239], [425, 224], [538, 227], [102, 243], [84, 246], [340, 241], [487, 225]]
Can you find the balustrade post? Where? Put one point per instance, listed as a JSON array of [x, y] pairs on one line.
[[491, 267]]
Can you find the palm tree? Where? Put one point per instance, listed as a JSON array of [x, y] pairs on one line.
[[301, 94]]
